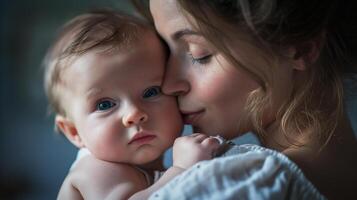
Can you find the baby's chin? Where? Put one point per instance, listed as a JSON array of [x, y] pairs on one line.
[[149, 158]]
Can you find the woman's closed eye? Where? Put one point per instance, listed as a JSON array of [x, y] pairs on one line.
[[201, 60], [105, 104], [199, 52], [152, 92]]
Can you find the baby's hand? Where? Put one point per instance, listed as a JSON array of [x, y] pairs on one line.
[[188, 150]]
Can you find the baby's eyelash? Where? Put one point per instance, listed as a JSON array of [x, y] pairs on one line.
[[105, 104], [152, 92]]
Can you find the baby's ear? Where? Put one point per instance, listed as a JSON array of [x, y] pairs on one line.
[[68, 128]]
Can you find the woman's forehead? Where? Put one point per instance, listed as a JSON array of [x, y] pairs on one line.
[[168, 18], [165, 9]]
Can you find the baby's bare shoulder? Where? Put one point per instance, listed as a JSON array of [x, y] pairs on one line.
[[97, 178]]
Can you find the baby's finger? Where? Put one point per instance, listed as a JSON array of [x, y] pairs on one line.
[[199, 138], [194, 134], [211, 142]]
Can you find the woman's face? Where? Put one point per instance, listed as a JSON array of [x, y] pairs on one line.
[[211, 92]]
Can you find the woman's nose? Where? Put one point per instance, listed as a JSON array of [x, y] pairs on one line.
[[175, 80], [134, 116]]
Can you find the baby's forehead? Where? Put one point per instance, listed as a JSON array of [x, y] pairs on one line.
[[146, 39], [146, 42]]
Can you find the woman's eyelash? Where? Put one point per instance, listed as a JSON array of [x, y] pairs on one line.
[[202, 60]]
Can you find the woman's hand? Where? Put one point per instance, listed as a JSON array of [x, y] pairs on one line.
[[188, 150]]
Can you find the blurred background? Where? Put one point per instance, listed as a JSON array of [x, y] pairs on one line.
[[35, 159]]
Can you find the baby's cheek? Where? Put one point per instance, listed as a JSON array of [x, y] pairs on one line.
[[167, 108], [169, 123]]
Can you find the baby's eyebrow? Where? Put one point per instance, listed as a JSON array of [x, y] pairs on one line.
[[92, 92]]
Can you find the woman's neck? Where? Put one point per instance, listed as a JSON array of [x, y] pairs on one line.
[[275, 138]]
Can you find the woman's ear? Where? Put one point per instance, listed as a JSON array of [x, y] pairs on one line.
[[307, 52], [68, 128], [299, 62]]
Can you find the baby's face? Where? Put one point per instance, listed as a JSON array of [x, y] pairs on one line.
[[116, 104]]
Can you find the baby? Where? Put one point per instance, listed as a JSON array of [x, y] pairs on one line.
[[102, 78]]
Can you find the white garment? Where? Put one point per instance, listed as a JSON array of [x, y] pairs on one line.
[[243, 172]]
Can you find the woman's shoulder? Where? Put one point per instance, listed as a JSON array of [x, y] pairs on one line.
[[259, 159], [245, 171], [269, 169]]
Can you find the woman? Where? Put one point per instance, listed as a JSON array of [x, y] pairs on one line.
[[271, 67]]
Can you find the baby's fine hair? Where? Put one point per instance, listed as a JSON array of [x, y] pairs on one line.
[[104, 30]]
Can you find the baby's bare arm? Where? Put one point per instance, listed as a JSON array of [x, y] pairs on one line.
[[96, 179], [68, 191]]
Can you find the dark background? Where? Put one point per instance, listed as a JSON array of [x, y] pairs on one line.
[[35, 159]]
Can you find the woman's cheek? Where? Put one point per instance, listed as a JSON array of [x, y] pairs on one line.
[[216, 83], [214, 87]]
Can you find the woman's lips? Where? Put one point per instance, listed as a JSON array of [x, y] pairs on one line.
[[141, 138], [191, 117]]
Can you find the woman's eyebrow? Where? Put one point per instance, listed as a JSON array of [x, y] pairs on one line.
[[181, 33]]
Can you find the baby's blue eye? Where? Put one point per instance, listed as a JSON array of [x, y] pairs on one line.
[[105, 105], [152, 92]]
